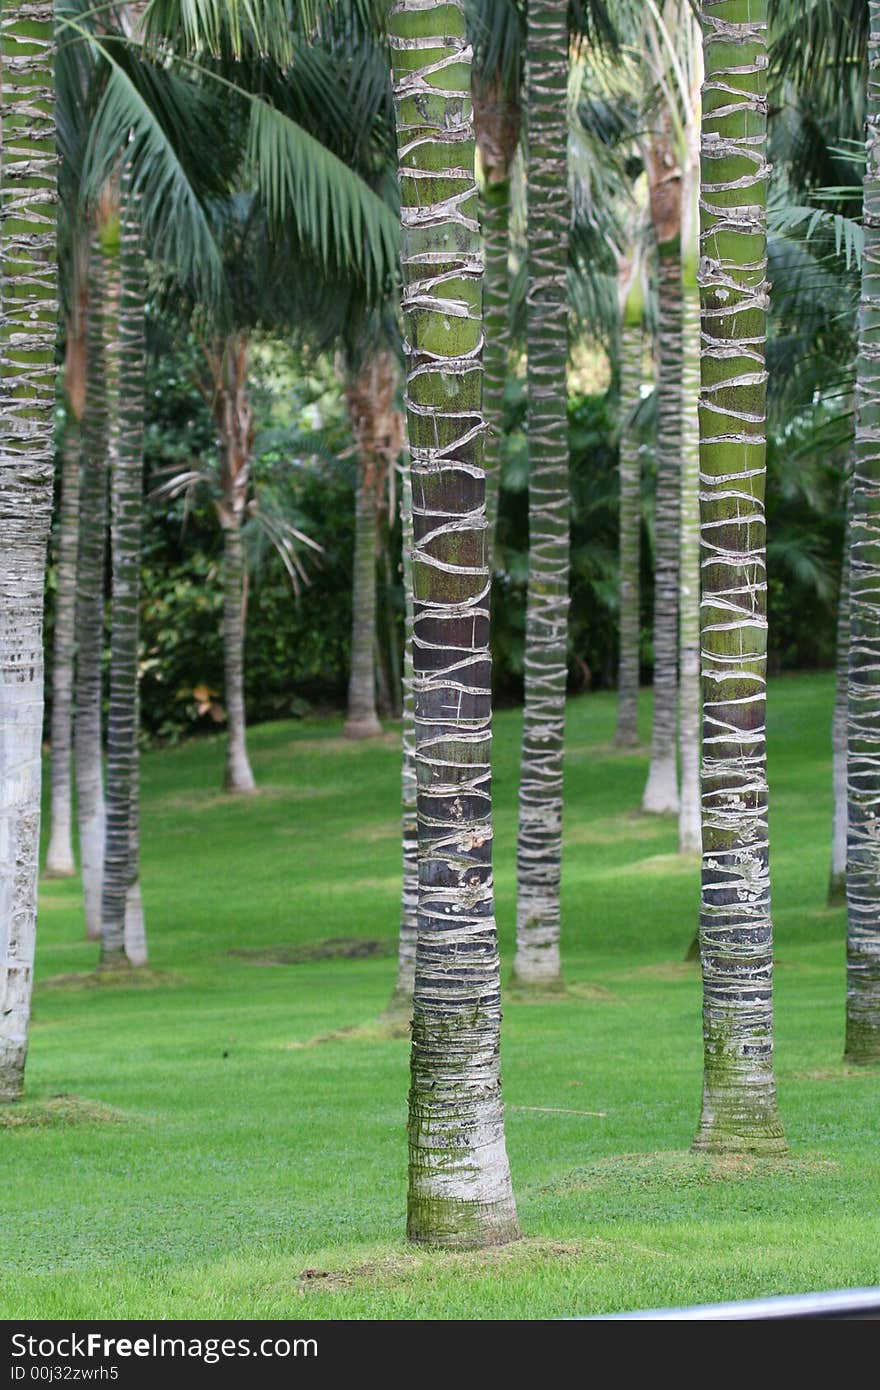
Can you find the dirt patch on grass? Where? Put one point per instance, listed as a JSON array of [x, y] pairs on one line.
[[372, 834], [664, 864], [332, 948], [401, 1266], [59, 902], [618, 830], [120, 977], [382, 1029], [335, 743], [580, 990], [662, 970], [210, 799], [842, 1072], [59, 1112], [687, 1170]]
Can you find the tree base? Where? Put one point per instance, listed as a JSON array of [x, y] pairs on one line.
[[626, 738], [59, 869], [397, 1016], [862, 1044], [447, 1224], [715, 1141], [661, 792], [12, 1075], [113, 961], [362, 728], [837, 890], [547, 986]]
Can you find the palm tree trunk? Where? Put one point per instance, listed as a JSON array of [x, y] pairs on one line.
[[496, 128], [661, 790], [28, 272], [539, 846], [90, 600], [59, 856], [459, 1181], [837, 877], [232, 413], [689, 833], [627, 732], [401, 1001], [863, 771], [120, 873], [362, 720], [739, 1111]]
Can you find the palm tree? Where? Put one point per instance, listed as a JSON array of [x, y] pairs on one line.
[[837, 877], [90, 586], [631, 351], [401, 1000], [459, 1181], [539, 846], [28, 269], [863, 853], [739, 1109], [122, 927]]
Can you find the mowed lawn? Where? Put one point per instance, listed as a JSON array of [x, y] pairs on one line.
[[217, 1154]]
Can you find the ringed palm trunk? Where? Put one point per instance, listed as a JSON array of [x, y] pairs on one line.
[[367, 394], [739, 1111], [459, 1181], [496, 128], [689, 834], [90, 600], [28, 267], [627, 731], [120, 890], [232, 412], [539, 845], [837, 877], [661, 790], [59, 855], [401, 1001], [863, 771]]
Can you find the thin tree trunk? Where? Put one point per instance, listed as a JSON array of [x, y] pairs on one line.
[[90, 600], [539, 846], [661, 790], [232, 412], [739, 1111], [627, 732], [119, 901], [496, 127], [401, 1001], [863, 769], [459, 1180], [59, 856], [689, 833], [362, 392], [837, 877], [28, 273]]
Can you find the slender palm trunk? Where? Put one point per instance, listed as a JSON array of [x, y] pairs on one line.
[[689, 833], [459, 1180], [837, 877], [496, 127], [232, 413], [28, 272], [90, 600], [863, 768], [736, 940], [401, 1001], [627, 732], [661, 790], [539, 846], [362, 391], [59, 856], [120, 875]]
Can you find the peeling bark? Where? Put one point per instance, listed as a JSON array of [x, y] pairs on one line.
[[863, 769], [121, 910], [459, 1181], [28, 270], [739, 1110], [539, 844]]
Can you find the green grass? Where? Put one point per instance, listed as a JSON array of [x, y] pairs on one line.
[[203, 1158]]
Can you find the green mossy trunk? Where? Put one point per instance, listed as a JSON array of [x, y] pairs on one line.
[[401, 1000], [539, 844], [863, 770], [459, 1180], [29, 276], [739, 1112]]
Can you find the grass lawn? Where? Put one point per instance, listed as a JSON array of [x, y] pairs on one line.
[[194, 1144]]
